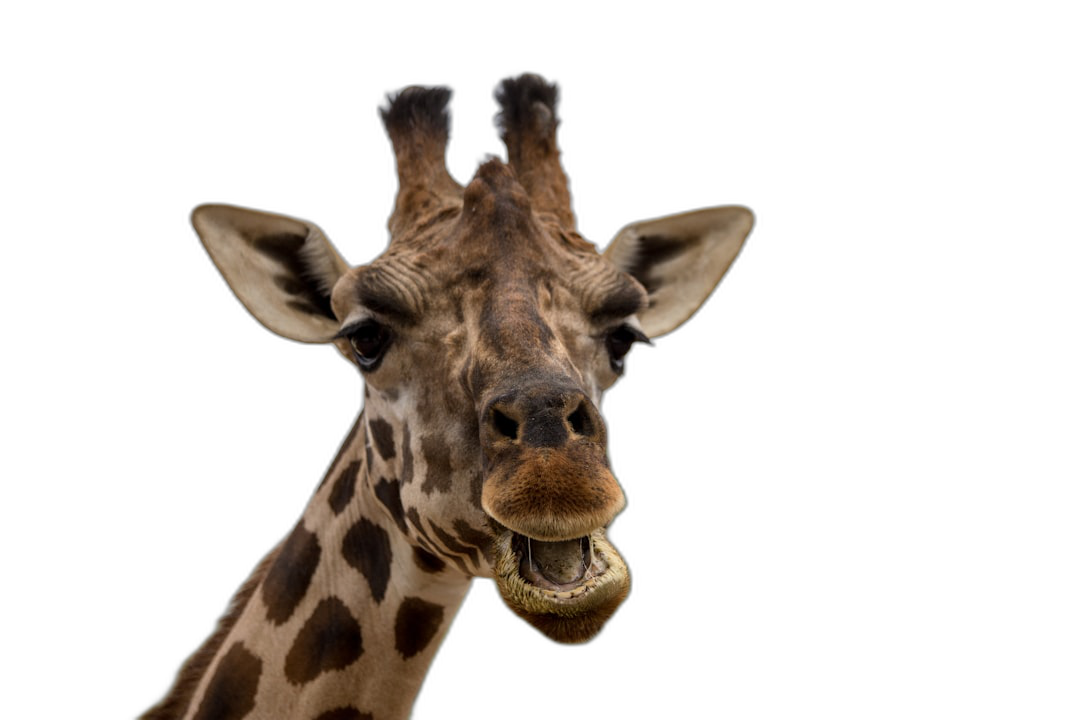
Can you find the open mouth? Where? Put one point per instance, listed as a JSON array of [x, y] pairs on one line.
[[563, 569], [567, 589]]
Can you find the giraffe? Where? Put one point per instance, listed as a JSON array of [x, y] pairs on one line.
[[485, 335]]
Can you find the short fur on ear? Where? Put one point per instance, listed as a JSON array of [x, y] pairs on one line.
[[282, 269], [679, 259]]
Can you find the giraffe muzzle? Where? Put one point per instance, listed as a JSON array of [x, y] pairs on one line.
[[550, 493], [554, 565], [546, 472]]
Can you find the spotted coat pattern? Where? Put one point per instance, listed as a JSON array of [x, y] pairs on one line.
[[486, 334]]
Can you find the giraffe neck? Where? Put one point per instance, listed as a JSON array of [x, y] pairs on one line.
[[342, 618]]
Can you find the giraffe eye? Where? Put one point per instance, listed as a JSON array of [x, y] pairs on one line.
[[619, 340], [369, 341]]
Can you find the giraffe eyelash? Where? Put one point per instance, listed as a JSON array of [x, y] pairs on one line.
[[618, 342]]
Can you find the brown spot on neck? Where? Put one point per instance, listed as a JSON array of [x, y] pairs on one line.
[[417, 623], [345, 487], [230, 695], [366, 548], [289, 578], [382, 435], [388, 493], [329, 640]]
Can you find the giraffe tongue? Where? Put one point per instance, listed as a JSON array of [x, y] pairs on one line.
[[555, 565]]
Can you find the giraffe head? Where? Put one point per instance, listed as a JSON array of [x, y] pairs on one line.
[[486, 334]]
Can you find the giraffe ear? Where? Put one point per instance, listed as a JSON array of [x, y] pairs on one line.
[[679, 259], [280, 268]]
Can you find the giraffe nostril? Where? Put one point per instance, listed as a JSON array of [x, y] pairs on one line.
[[579, 421], [505, 425]]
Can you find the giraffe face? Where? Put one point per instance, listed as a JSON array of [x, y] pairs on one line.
[[485, 346], [486, 334]]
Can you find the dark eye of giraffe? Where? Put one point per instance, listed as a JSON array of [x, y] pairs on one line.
[[369, 341], [619, 340]]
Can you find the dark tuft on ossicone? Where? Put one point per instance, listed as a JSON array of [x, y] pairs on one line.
[[418, 108], [527, 102]]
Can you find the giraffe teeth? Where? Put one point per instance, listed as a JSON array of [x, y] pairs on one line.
[[569, 594]]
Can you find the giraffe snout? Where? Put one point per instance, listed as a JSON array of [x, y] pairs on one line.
[[546, 471]]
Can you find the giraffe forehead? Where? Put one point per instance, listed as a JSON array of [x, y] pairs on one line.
[[494, 231], [509, 273]]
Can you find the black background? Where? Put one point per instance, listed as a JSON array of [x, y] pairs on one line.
[[757, 581]]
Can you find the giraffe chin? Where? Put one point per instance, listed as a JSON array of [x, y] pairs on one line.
[[567, 590]]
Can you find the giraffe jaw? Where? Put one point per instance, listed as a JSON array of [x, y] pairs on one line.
[[566, 598]]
